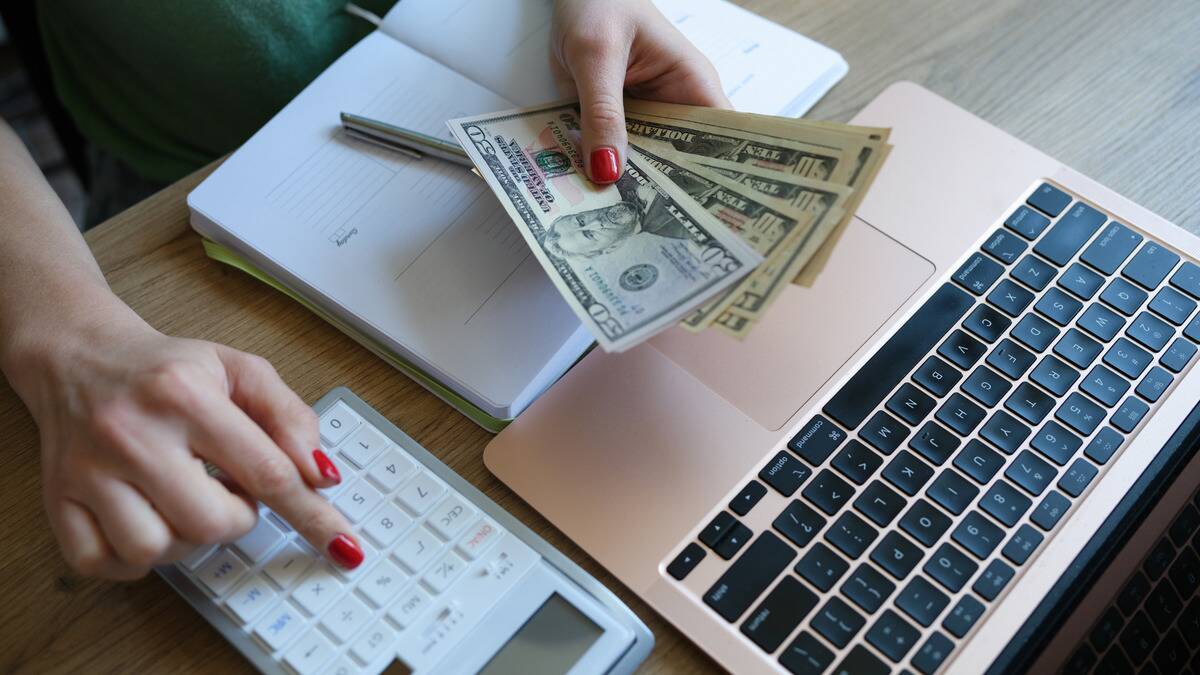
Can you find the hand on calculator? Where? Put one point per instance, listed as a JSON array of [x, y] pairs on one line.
[[127, 418]]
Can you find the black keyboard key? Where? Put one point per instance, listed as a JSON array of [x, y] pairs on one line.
[[1004, 246], [962, 350], [1080, 414], [1128, 358], [978, 273], [806, 656], [1057, 306], [952, 491], [1077, 477], [1123, 296], [1101, 322], [1069, 234], [1022, 545], [1173, 306], [785, 473], [1011, 359], [733, 541], [924, 523], [778, 614], [931, 654], [978, 461], [1151, 265], [993, 580], [950, 567], [937, 376], [1050, 510], [1162, 606], [978, 535], [986, 386], [851, 535], [1078, 348], [817, 440], [1034, 272], [867, 588], [838, 622], [1159, 559], [896, 358], [1185, 525], [1111, 248], [986, 323], [1049, 200], [1178, 355], [1103, 445], [1056, 376], [1004, 431], [1105, 385], [1027, 222], [934, 443], [686, 561], [1055, 442], [1031, 473], [857, 462], [799, 523], [896, 555], [1135, 591], [1154, 384], [893, 636], [828, 492], [1189, 624], [1081, 281], [907, 473], [764, 560], [960, 414], [747, 498], [822, 567], [1171, 655], [922, 601], [861, 662], [717, 529], [964, 615], [1116, 663], [1010, 298], [1150, 331], [879, 503], [910, 404], [1030, 403], [1130, 414], [884, 432], [1004, 503], [1185, 573]]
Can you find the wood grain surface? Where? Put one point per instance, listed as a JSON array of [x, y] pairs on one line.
[[1111, 87]]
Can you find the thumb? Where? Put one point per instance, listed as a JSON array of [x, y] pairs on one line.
[[600, 79]]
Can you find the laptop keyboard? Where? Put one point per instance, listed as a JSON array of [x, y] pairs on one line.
[[934, 475]]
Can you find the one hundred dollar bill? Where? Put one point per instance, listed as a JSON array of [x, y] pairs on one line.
[[631, 258]]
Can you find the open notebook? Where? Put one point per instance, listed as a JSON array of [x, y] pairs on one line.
[[416, 259]]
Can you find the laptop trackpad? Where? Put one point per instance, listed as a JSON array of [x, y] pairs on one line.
[[809, 333]]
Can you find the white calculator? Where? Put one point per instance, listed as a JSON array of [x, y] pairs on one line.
[[451, 583]]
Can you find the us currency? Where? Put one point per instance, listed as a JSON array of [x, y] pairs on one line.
[[631, 258]]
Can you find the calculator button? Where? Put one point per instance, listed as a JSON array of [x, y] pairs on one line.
[[279, 626], [288, 563], [451, 516], [364, 446], [385, 525], [346, 618], [417, 549], [317, 590], [345, 470], [220, 572], [382, 583], [478, 539], [358, 501], [342, 665], [251, 598], [443, 572], [390, 470], [374, 641], [310, 652], [193, 560], [338, 422], [409, 607], [260, 541], [420, 493]]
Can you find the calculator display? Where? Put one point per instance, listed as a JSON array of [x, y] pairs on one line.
[[549, 643]]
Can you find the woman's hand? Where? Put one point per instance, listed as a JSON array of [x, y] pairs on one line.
[[126, 416], [615, 46]]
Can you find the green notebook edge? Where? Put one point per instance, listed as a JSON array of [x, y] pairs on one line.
[[228, 256]]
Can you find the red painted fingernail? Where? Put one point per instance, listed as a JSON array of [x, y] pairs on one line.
[[326, 467], [345, 551], [604, 165]]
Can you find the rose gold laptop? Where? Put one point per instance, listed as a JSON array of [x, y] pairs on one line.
[[927, 459]]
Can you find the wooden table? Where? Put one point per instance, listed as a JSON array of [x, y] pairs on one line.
[[1111, 87]]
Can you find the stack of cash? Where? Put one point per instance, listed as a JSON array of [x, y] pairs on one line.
[[716, 213]]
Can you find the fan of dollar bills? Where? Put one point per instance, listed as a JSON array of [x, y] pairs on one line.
[[716, 213]]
